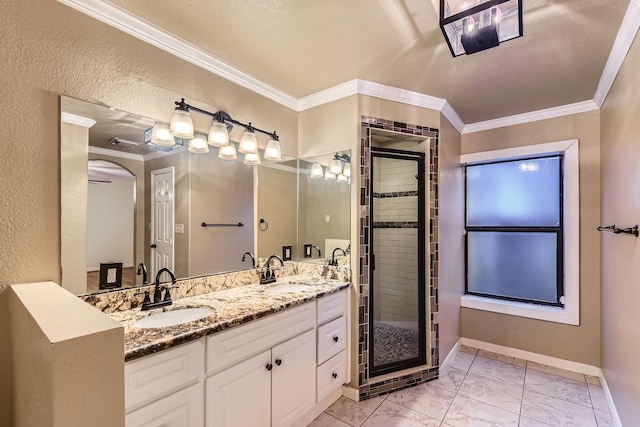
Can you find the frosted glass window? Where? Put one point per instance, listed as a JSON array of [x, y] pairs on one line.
[[514, 193], [517, 265]]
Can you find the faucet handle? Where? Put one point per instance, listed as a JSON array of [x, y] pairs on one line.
[[167, 294], [146, 300]]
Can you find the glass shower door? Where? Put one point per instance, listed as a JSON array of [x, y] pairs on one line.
[[397, 308]]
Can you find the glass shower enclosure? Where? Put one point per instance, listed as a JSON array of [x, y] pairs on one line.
[[397, 317]]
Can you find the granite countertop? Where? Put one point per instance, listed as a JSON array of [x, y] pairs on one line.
[[231, 307]]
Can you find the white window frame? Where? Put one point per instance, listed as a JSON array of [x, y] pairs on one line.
[[570, 313]]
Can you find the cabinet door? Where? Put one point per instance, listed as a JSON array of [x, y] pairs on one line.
[[182, 408], [294, 380], [240, 396]]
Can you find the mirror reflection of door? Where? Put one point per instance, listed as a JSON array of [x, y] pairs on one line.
[[162, 202], [110, 222]]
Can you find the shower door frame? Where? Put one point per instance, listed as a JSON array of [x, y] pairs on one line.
[[421, 359]]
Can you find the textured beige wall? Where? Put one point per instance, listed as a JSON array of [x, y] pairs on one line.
[[620, 151], [48, 50], [64, 355], [576, 343], [277, 196], [73, 206], [451, 239]]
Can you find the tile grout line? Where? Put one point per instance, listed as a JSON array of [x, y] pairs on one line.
[[374, 411], [459, 387], [591, 400]]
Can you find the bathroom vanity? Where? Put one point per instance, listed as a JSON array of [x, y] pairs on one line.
[[268, 355]]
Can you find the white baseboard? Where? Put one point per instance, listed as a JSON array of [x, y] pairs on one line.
[[351, 393], [569, 365], [612, 407], [452, 354]]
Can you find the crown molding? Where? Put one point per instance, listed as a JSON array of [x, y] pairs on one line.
[[145, 31], [158, 154], [114, 153], [453, 117], [76, 120], [328, 95], [533, 116], [621, 46]]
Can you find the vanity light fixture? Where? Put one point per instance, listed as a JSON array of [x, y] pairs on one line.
[[181, 126], [328, 175], [342, 178], [470, 27], [228, 152], [160, 135], [316, 170], [336, 167], [347, 170], [251, 159], [199, 144]]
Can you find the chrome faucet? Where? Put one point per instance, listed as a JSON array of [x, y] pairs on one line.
[[253, 259], [142, 269], [334, 261], [158, 301], [269, 276]]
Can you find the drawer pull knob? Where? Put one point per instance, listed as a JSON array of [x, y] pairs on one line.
[[278, 362], [334, 375], [335, 339], [269, 366]]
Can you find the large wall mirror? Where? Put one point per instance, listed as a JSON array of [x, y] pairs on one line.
[[125, 202]]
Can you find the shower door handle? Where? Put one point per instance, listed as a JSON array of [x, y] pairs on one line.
[[373, 262]]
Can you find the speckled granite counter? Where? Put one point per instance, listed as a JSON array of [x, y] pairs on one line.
[[231, 307]]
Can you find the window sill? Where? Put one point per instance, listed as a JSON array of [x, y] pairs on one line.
[[512, 308]]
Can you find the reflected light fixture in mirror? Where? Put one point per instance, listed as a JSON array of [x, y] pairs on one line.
[[251, 159], [228, 152], [199, 144], [328, 175], [160, 135], [336, 166], [347, 170], [316, 170]]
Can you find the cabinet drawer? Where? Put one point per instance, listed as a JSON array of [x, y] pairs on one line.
[[331, 375], [156, 376], [332, 306], [332, 338], [183, 408], [228, 348]]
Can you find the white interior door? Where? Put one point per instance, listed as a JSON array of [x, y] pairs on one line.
[[162, 208]]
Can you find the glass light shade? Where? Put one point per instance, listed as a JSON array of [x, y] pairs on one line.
[[346, 171], [218, 134], [272, 151], [181, 124], [342, 178], [328, 175], [335, 167], [199, 144], [316, 170], [160, 135], [228, 152], [252, 159], [248, 143]]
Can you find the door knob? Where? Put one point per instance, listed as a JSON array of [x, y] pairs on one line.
[[153, 246], [335, 339], [278, 362], [269, 366], [334, 375]]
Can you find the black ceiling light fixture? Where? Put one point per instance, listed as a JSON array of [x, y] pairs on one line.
[[473, 26]]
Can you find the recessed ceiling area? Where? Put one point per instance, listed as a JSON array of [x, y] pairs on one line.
[[303, 47]]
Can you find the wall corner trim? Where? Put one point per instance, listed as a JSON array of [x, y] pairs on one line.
[[621, 46]]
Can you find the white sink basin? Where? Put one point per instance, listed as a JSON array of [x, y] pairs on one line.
[[285, 288], [173, 318]]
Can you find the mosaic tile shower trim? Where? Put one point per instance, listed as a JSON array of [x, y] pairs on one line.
[[367, 389]]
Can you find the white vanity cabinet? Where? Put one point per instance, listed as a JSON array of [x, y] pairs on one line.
[[331, 371], [166, 389], [274, 387]]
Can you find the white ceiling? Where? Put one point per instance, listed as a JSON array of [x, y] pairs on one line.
[[301, 47]]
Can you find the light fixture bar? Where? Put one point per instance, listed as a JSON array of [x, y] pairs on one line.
[[224, 117]]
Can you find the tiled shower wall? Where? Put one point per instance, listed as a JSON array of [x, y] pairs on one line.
[[374, 388]]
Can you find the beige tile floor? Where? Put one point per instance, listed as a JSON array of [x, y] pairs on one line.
[[481, 389]]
